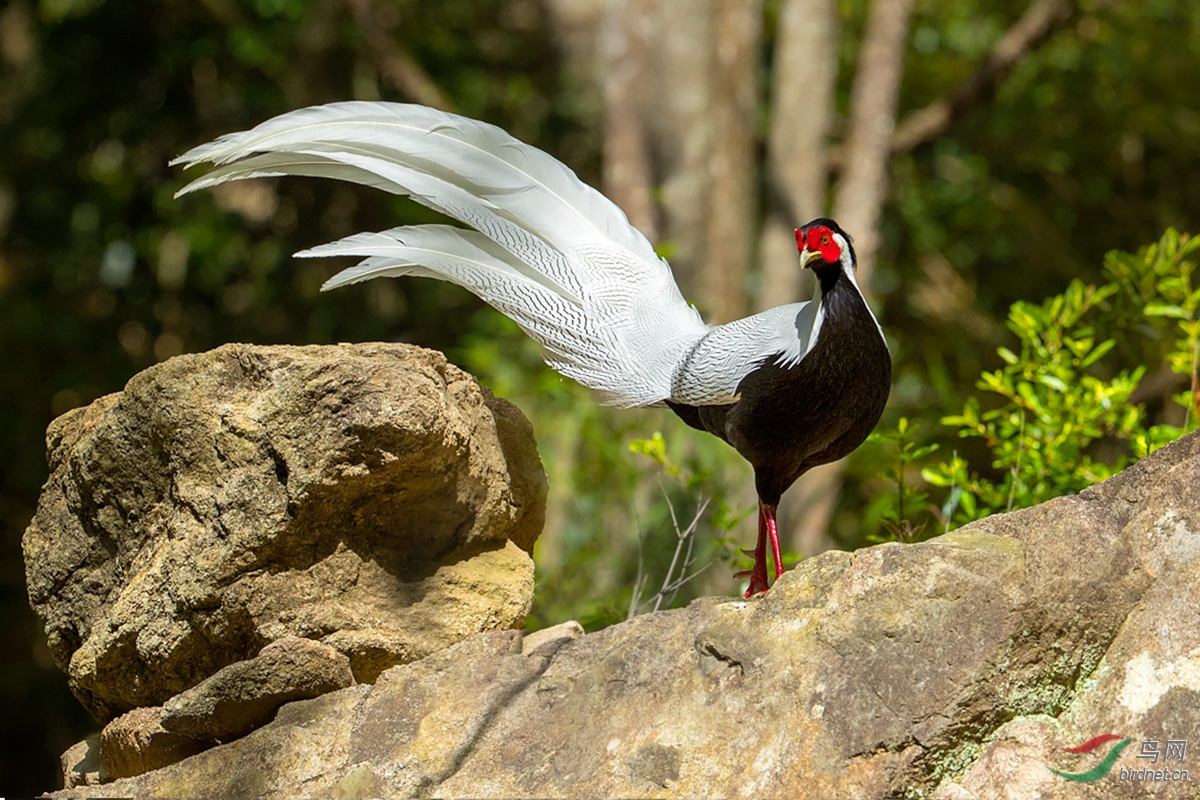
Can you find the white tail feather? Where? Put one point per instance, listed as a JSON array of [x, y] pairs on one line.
[[552, 253], [422, 244], [533, 188]]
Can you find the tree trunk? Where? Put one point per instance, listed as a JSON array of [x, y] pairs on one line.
[[627, 88], [683, 134], [729, 224], [801, 107], [863, 185], [679, 84]]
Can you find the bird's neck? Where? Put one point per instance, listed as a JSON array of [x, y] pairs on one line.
[[842, 302], [834, 279]]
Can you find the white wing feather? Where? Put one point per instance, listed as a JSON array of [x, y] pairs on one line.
[[548, 250]]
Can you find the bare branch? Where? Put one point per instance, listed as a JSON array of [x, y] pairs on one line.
[[639, 582], [1040, 20], [685, 579], [683, 537]]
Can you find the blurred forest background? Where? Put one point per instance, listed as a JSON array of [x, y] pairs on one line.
[[982, 152]]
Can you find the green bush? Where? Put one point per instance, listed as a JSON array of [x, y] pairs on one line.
[[1068, 407]]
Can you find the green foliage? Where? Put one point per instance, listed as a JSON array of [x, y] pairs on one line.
[[1164, 304], [655, 448], [909, 500], [1063, 398], [1052, 411]]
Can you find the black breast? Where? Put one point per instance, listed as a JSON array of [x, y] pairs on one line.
[[791, 420]]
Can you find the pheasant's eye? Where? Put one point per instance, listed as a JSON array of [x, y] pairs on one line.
[[825, 240]]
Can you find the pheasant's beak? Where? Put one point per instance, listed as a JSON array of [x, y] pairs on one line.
[[807, 257]]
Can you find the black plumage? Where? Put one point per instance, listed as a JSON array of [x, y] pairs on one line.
[[791, 419]]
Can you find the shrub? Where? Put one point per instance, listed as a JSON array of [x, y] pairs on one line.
[[1068, 407]]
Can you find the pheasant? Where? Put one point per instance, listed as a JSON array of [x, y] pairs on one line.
[[790, 388]]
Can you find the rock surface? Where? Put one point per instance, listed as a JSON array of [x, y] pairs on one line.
[[369, 496], [81, 763], [136, 742], [956, 668], [246, 695]]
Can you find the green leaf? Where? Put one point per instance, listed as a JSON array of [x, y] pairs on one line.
[[654, 448], [967, 500], [922, 452], [994, 382], [938, 475], [1160, 309], [1097, 353], [1053, 383], [1025, 391]]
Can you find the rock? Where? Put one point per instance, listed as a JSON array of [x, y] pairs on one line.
[[1144, 684], [554, 636], [957, 668], [246, 695], [81, 763], [369, 496], [135, 743]]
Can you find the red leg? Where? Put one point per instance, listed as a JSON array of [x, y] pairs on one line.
[[773, 533], [767, 528]]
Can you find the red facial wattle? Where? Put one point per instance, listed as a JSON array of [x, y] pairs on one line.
[[819, 239]]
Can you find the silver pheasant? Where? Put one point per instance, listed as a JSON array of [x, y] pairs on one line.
[[563, 262]]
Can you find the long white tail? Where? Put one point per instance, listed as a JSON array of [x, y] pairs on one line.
[[547, 250]]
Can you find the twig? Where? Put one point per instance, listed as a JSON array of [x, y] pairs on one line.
[[687, 560], [1015, 470], [953, 486], [684, 545], [681, 536], [639, 582], [1195, 407], [675, 587]]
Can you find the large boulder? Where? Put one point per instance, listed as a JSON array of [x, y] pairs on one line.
[[958, 669], [372, 497]]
